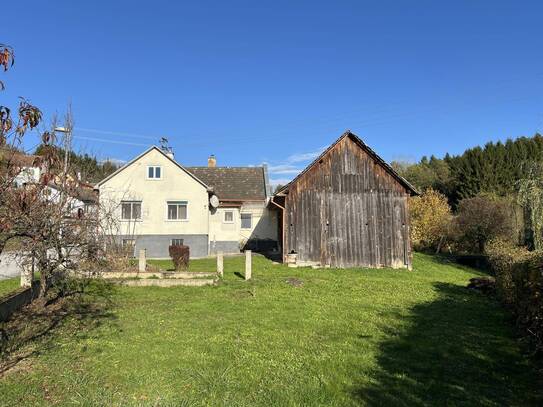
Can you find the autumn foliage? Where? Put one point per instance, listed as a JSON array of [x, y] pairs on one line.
[[430, 220]]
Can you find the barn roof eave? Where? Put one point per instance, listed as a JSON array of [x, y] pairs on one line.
[[406, 184]]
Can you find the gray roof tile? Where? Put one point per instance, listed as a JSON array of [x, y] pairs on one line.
[[233, 183]]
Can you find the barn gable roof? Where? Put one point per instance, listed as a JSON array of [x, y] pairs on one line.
[[364, 147]]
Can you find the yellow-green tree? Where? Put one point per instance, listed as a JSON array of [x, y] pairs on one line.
[[430, 220]]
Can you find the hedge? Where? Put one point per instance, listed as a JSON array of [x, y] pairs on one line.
[[519, 284]]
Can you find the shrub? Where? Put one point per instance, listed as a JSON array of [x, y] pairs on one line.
[[180, 257], [430, 219], [481, 219], [519, 284]]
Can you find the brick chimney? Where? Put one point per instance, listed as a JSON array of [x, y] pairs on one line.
[[212, 161]]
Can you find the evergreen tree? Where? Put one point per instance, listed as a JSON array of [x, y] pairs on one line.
[[495, 168]]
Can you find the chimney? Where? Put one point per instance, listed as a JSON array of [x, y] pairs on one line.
[[212, 161]]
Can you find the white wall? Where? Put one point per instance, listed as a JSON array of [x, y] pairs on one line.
[[264, 224], [222, 231], [175, 185], [28, 175]]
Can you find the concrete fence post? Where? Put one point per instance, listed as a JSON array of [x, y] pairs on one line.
[[142, 261], [248, 266], [27, 274], [220, 264]]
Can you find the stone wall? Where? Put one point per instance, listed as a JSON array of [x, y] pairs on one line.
[[17, 300]]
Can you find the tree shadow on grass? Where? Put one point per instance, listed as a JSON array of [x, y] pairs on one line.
[[456, 350], [239, 275], [30, 330], [470, 263]]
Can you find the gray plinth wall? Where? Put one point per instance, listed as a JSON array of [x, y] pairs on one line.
[[156, 246], [223, 246]]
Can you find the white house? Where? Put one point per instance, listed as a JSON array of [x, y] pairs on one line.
[[82, 199], [157, 203]]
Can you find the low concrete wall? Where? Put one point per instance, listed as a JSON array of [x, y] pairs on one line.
[[166, 274], [159, 282], [17, 300]]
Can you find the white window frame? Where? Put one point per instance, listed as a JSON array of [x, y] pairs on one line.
[[125, 246], [132, 210], [124, 242], [171, 241], [224, 216], [178, 202], [153, 178], [241, 220]]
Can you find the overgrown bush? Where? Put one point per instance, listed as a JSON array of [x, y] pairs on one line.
[[519, 283], [180, 257], [430, 220], [481, 219]]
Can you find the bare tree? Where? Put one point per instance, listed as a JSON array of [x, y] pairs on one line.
[[43, 211], [12, 132]]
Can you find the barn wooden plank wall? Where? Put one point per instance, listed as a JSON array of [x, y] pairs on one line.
[[348, 210]]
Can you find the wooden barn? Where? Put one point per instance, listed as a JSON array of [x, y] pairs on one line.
[[348, 208]]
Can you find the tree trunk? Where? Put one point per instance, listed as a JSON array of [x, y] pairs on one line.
[[438, 250], [43, 284]]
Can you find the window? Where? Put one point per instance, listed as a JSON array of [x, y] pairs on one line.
[[131, 210], [246, 220], [128, 246], [177, 210], [177, 242], [154, 172], [127, 243], [229, 217]]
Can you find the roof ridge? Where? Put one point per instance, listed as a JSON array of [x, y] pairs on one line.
[[364, 146], [225, 166]]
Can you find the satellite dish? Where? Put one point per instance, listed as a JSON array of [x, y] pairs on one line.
[[214, 201]]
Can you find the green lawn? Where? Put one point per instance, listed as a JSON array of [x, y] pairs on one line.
[[9, 285], [345, 337]]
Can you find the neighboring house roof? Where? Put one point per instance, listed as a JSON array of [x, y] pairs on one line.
[[128, 164], [86, 195], [18, 158], [368, 150], [81, 193], [234, 183]]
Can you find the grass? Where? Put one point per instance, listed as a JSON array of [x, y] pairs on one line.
[[9, 285], [207, 264], [345, 337]]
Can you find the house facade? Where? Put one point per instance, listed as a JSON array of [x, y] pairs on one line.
[[348, 208], [156, 202], [82, 199]]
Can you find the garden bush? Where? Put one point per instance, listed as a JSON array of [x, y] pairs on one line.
[[430, 220], [519, 283], [180, 257], [481, 219]]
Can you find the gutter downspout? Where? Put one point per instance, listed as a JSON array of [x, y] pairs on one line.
[[283, 228]]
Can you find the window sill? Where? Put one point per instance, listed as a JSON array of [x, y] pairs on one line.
[[131, 220], [176, 220]]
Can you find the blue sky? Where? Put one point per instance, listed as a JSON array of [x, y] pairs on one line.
[[275, 82]]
